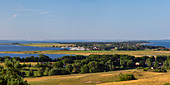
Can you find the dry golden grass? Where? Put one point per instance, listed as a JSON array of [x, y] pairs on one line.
[[1, 63], [32, 63], [134, 53], [104, 78], [157, 79]]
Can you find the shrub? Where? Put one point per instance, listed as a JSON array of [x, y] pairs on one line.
[[58, 71], [46, 70], [146, 69], [40, 71], [29, 65], [166, 84], [31, 73], [52, 72], [126, 77], [159, 70], [37, 65], [24, 65], [139, 68]]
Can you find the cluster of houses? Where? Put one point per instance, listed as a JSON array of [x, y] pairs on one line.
[[78, 48], [160, 64]]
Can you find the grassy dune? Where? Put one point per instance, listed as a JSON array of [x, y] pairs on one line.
[[103, 78], [135, 53]]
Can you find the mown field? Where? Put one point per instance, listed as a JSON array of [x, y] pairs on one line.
[[103, 78], [134, 53]]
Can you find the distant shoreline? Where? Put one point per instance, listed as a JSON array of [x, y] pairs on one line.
[[146, 43]]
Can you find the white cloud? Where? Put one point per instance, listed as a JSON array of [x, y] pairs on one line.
[[30, 12], [13, 17]]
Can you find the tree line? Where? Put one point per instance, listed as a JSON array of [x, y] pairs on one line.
[[11, 74], [125, 45]]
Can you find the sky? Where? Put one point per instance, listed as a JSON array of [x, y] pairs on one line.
[[84, 19]]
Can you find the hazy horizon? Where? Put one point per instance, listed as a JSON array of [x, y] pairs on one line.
[[84, 20]]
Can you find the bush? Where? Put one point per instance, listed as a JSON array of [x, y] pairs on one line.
[[31, 73], [58, 71], [146, 69], [24, 65], [166, 84], [40, 71], [52, 72], [160, 70], [46, 70], [126, 77], [29, 65], [139, 68]]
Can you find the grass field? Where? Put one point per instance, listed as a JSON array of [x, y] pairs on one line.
[[103, 78], [47, 44], [134, 53]]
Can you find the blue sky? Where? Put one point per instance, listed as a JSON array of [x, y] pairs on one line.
[[84, 19]]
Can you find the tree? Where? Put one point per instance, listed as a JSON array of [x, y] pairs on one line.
[[52, 72], [161, 58], [31, 72], [76, 68], [84, 69], [95, 67], [24, 65], [37, 65], [144, 58], [130, 63], [40, 71], [156, 64], [142, 63], [148, 62], [29, 65], [152, 58], [123, 63], [166, 64], [110, 64], [69, 68], [67, 60], [58, 64], [1, 59], [44, 58], [47, 69], [11, 75]]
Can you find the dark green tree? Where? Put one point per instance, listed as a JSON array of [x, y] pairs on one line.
[[84, 69], [40, 71], [31, 72], [148, 62], [166, 64], [152, 58], [58, 64], [95, 67], [142, 63], [11, 75], [44, 58], [156, 64], [69, 68]]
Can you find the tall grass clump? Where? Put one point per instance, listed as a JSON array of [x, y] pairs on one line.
[[126, 77]]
